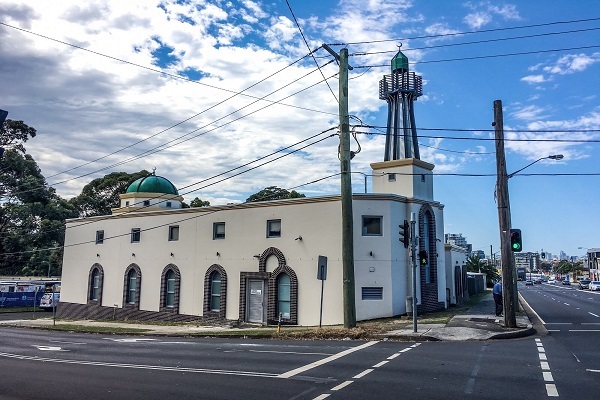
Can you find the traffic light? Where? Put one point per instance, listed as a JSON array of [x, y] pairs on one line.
[[405, 233], [423, 257], [543, 255], [516, 242]]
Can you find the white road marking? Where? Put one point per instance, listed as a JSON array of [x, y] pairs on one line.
[[558, 323], [131, 340], [584, 330], [49, 348], [543, 356], [288, 352], [590, 323], [341, 354], [365, 372], [393, 356], [595, 315], [58, 341], [321, 397], [544, 365], [551, 390], [593, 370], [566, 304], [541, 350], [380, 364], [539, 345], [548, 376], [553, 330], [342, 385], [405, 350], [141, 366]]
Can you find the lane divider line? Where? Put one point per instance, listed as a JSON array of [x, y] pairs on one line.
[[365, 372], [334, 357], [342, 385], [380, 364]]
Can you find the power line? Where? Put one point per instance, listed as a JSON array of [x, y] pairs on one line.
[[492, 139], [231, 170], [312, 54], [164, 145], [485, 57], [491, 130], [466, 33], [474, 42]]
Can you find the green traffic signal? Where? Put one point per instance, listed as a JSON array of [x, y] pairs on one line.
[[516, 242]]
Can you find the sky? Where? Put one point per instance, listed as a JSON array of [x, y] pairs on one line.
[[198, 89]]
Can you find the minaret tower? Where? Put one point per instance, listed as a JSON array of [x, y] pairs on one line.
[[400, 89]]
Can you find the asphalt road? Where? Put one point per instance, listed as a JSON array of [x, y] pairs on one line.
[[48, 365], [572, 318]]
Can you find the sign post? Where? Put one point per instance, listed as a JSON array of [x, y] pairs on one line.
[[321, 275]]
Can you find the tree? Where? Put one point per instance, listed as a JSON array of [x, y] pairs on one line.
[[199, 203], [475, 264], [273, 193], [102, 194], [32, 215]]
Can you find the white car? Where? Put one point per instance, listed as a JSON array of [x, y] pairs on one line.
[[552, 281], [594, 285]]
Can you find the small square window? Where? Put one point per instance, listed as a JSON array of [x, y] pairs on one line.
[[127, 203], [372, 226], [168, 204], [174, 233], [422, 177], [146, 203], [391, 177], [219, 230], [273, 228], [99, 237], [136, 234]]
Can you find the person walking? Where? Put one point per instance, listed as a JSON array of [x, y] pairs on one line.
[[497, 292]]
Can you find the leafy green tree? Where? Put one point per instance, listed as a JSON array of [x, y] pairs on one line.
[[199, 203], [102, 194], [475, 264], [32, 215], [273, 193]]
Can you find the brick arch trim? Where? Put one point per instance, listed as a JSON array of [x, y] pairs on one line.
[[429, 291], [163, 289], [207, 293], [138, 287], [271, 251], [100, 270], [272, 313]]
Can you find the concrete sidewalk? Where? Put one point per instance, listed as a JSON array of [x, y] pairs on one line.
[[479, 324]]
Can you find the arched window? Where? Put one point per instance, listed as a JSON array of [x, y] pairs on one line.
[[132, 278], [95, 286], [283, 296], [170, 289], [215, 291], [95, 279]]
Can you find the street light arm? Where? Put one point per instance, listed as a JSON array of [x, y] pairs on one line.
[[552, 157]]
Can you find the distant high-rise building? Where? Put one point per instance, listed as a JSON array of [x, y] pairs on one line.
[[457, 239]]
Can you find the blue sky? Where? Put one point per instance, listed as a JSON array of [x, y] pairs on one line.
[[119, 86]]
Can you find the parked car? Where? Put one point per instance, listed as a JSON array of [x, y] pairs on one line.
[[528, 282], [566, 282], [552, 280], [538, 280], [584, 284], [595, 285]]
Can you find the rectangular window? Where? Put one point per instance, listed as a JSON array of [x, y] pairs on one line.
[[95, 285], [372, 293], [173, 233], [146, 203], [391, 177], [219, 230], [372, 226], [170, 293], [99, 237], [135, 235], [273, 228], [168, 204], [127, 203]]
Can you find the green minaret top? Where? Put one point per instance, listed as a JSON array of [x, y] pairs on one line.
[[400, 62]]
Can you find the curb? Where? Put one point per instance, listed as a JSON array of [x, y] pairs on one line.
[[515, 334]]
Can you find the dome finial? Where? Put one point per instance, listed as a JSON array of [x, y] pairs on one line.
[[154, 171]]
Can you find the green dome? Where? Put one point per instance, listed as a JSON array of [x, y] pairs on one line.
[[152, 184]]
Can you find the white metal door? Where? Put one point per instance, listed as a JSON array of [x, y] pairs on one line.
[[256, 301]]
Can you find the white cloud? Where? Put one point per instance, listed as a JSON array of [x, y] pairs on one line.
[[477, 20], [528, 113], [533, 79], [573, 63], [483, 13]]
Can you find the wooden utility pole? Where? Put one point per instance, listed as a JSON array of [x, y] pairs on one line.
[[346, 192], [508, 265]]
